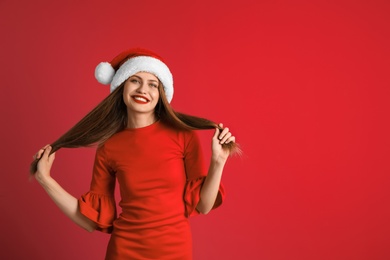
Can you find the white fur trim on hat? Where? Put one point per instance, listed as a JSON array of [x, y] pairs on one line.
[[104, 73], [145, 64]]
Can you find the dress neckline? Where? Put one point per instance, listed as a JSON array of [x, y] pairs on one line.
[[144, 128]]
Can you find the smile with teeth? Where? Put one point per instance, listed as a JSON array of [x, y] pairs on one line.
[[141, 100]]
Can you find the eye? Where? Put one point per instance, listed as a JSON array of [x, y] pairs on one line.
[[153, 85], [134, 80]]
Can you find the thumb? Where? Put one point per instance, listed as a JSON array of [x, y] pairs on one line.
[[52, 156], [48, 149]]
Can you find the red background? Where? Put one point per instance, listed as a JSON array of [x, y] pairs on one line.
[[304, 85]]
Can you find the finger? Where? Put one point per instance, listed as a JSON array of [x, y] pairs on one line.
[[226, 137], [52, 157], [231, 139], [40, 152], [47, 152], [224, 132]]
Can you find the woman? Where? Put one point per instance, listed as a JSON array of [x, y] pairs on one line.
[[154, 154]]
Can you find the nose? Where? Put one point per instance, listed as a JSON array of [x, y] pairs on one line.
[[142, 88]]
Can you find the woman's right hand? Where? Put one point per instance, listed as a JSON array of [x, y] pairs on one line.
[[45, 162]]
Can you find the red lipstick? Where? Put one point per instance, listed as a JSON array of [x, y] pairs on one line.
[[140, 99]]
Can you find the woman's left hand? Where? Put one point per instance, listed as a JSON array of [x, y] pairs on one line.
[[220, 137]]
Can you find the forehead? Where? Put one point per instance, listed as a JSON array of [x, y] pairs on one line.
[[146, 76]]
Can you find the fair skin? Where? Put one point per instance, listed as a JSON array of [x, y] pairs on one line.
[[219, 156], [140, 95]]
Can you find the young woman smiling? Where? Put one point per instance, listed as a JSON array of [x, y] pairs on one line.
[[154, 154]]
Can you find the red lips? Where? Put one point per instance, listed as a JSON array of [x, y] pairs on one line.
[[140, 99]]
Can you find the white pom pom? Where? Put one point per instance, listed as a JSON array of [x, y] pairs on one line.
[[104, 73]]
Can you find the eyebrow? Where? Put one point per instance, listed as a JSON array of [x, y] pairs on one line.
[[143, 79]]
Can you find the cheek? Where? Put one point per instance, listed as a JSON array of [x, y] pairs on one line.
[[155, 94], [126, 88], [124, 94]]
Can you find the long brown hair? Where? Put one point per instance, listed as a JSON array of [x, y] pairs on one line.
[[110, 117]]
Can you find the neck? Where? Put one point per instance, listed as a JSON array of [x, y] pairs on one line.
[[140, 120]]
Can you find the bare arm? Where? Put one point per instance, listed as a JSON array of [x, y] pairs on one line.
[[209, 191], [65, 201]]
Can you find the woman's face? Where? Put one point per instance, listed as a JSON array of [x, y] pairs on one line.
[[140, 92]]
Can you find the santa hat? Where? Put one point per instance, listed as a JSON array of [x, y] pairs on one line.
[[130, 62]]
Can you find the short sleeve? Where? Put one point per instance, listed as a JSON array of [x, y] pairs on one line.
[[98, 204], [196, 174]]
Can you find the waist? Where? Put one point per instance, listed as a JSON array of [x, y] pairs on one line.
[[130, 220]]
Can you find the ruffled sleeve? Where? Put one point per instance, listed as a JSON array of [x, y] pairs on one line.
[[98, 204], [196, 175], [192, 196]]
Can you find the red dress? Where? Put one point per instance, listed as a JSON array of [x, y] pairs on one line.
[[160, 171]]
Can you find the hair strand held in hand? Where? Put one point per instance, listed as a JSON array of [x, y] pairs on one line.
[[110, 117]]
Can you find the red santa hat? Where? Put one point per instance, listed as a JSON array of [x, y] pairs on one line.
[[131, 62]]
